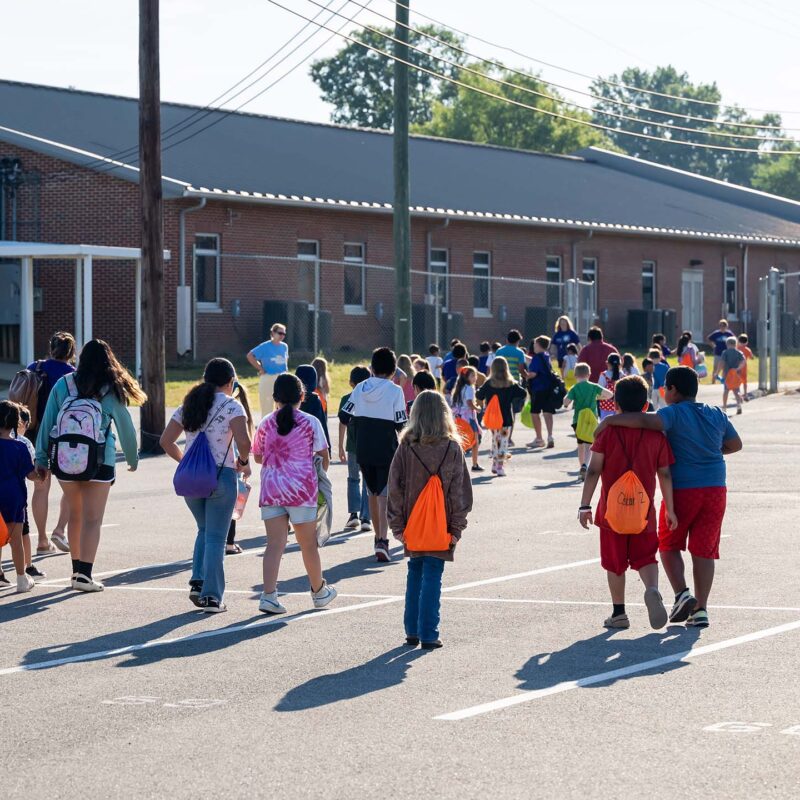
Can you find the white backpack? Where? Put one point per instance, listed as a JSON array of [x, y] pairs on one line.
[[77, 440]]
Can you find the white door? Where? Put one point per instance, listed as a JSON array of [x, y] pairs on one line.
[[692, 303]]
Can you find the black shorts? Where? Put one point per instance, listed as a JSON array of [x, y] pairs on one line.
[[542, 402], [580, 441], [106, 473], [376, 477]]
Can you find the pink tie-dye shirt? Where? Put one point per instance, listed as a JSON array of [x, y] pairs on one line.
[[288, 476]]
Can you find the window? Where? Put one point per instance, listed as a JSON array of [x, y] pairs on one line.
[[730, 292], [206, 271], [589, 270], [355, 288], [553, 276], [437, 282], [307, 251], [481, 291], [648, 285]]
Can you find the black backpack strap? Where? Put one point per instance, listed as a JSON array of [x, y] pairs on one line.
[[441, 463], [416, 455]]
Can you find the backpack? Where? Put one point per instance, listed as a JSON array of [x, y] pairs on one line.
[[77, 440], [586, 425], [5, 534], [733, 380], [627, 504], [608, 405], [468, 438], [426, 528], [526, 416], [197, 474], [27, 387], [558, 391], [493, 416]]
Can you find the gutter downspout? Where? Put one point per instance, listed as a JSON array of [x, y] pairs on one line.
[[745, 275], [182, 268]]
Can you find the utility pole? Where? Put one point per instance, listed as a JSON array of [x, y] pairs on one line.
[[153, 356], [402, 219]]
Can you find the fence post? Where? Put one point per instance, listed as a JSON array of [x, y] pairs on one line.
[[763, 333], [774, 329]]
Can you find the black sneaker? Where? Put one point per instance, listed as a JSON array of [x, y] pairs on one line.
[[212, 606], [195, 588], [582, 476], [382, 551], [35, 573], [434, 645], [683, 607], [352, 522], [3, 580], [477, 468], [412, 641]]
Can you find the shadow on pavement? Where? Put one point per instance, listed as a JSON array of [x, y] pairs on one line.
[[603, 653], [557, 485], [388, 669], [562, 454], [35, 602]]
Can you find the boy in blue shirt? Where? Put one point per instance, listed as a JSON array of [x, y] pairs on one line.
[[700, 436], [660, 369]]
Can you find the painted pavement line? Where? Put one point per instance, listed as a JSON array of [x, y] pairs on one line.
[[503, 578], [602, 677]]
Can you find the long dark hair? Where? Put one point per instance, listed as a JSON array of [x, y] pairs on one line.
[[461, 382], [99, 372], [614, 362], [197, 404], [288, 391], [686, 337], [9, 416]]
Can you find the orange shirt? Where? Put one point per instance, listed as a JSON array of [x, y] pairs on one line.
[[748, 354]]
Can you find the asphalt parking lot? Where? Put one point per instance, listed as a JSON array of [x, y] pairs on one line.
[[131, 692]]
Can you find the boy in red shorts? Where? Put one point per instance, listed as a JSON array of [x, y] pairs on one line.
[[647, 453], [700, 437]]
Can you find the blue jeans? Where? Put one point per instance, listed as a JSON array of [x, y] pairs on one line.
[[213, 516], [423, 596], [357, 501]]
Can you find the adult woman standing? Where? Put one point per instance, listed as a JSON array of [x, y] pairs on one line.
[[564, 335], [62, 355], [102, 379], [269, 359], [212, 408]]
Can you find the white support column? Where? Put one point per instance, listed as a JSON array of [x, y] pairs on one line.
[[87, 298], [79, 303], [138, 318], [26, 351]]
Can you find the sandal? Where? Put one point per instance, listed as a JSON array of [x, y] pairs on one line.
[[43, 551], [538, 443], [232, 549], [59, 540]]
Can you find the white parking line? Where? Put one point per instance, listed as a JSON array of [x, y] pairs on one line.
[[516, 575], [602, 677]]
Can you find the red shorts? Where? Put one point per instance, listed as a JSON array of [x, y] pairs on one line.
[[618, 551], [700, 513]]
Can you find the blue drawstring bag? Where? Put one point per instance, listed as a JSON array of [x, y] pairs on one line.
[[197, 475]]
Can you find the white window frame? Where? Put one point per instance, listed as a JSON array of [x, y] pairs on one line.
[[351, 308], [653, 267], [483, 312], [202, 305], [307, 257], [730, 273], [548, 270], [446, 274], [584, 259]]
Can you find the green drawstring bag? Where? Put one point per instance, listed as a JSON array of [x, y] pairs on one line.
[[525, 415]]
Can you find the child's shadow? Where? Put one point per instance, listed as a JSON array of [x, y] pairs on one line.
[[603, 655]]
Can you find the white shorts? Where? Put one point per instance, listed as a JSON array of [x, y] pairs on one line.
[[297, 514]]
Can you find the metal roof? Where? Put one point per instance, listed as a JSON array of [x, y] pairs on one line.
[[253, 158]]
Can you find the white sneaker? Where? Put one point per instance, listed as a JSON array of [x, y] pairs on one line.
[[25, 583], [501, 473], [323, 596], [366, 525], [269, 604], [83, 584], [352, 523]]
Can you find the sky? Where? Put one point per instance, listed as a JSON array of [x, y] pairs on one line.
[[747, 46]]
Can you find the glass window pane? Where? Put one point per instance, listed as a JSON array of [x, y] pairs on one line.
[[205, 270], [480, 259], [308, 249], [353, 285], [206, 243], [589, 269], [354, 252], [438, 256]]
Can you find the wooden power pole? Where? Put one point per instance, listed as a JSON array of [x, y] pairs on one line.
[[402, 219], [153, 356]]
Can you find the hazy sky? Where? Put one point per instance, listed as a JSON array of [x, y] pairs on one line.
[[748, 46]]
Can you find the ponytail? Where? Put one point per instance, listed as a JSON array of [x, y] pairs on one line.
[[240, 393], [614, 362], [288, 391], [197, 404]]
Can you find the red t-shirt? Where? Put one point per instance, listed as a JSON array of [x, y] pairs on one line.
[[595, 355], [648, 450]]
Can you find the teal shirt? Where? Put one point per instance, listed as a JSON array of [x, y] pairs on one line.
[[113, 410]]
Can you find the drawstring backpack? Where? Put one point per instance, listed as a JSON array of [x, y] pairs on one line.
[[468, 438], [426, 529], [197, 474], [493, 416], [687, 360], [5, 534], [733, 380], [526, 416], [586, 425], [627, 504]]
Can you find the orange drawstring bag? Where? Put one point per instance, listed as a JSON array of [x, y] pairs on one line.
[[466, 433], [5, 534], [627, 504], [687, 360], [426, 529], [493, 416], [733, 380], [322, 399]]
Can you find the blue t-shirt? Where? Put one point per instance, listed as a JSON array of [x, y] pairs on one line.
[[15, 464], [483, 365], [274, 358], [449, 370], [562, 338], [540, 364], [54, 370], [719, 338], [695, 432], [660, 371], [516, 358]]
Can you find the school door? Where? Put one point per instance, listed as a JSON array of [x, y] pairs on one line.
[[692, 303]]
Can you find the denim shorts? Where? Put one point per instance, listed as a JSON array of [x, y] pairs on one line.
[[297, 514]]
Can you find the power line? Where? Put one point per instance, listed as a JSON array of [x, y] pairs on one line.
[[618, 84], [500, 81], [539, 110]]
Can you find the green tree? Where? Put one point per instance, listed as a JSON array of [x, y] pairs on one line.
[[358, 81], [779, 175], [474, 117]]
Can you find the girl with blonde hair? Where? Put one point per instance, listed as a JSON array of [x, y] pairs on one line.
[[323, 389], [406, 365]]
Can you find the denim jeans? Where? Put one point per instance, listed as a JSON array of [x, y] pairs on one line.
[[423, 596], [357, 501], [213, 516]]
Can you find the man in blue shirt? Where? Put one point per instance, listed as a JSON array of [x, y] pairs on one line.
[[269, 359], [718, 339], [700, 437], [660, 370]]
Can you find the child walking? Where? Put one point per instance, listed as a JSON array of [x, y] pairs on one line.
[[608, 380], [430, 450], [286, 445], [744, 349], [732, 363], [16, 465], [357, 499], [323, 389], [584, 396], [568, 365], [22, 431], [465, 407], [502, 386], [647, 454]]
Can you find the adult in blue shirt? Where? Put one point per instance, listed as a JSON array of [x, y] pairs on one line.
[[269, 359], [718, 339], [565, 335]]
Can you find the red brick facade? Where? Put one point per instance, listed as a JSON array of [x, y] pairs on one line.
[[68, 204]]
